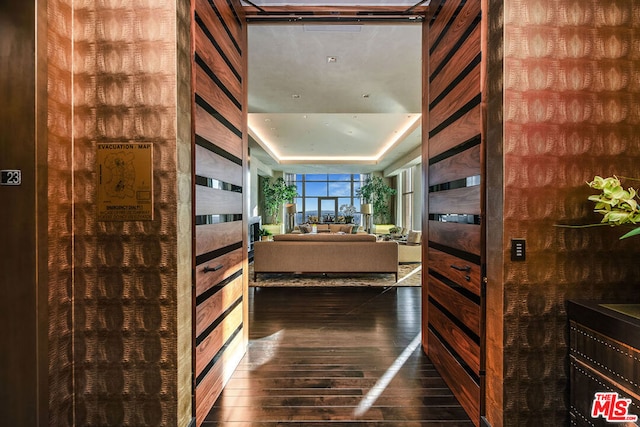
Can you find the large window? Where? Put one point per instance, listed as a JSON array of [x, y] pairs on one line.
[[407, 197], [322, 195]]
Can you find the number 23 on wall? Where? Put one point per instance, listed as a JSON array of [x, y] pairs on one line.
[[11, 177]]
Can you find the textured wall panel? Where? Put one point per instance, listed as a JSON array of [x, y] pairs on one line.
[[60, 212], [125, 272], [571, 103]]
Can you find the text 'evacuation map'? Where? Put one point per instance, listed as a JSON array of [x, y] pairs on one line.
[[125, 181]]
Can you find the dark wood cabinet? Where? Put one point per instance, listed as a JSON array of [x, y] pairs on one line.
[[604, 357]]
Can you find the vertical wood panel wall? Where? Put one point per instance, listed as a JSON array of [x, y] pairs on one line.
[[23, 336], [452, 309], [220, 189]]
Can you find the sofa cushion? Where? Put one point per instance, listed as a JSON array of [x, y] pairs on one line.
[[346, 229], [322, 228], [334, 228]]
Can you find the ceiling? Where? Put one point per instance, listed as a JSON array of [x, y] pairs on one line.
[[339, 98]]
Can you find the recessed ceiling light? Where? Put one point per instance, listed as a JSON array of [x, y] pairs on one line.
[[365, 95], [332, 59], [295, 96]]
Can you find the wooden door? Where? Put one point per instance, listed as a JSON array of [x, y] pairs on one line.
[[452, 309], [220, 159]]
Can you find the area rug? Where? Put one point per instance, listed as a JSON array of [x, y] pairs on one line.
[[408, 275]]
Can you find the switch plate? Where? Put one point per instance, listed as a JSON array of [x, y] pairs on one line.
[[518, 250]]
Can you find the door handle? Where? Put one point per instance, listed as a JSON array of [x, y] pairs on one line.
[[466, 268], [208, 269]]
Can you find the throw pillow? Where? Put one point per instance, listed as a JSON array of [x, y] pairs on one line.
[[305, 228], [414, 237], [346, 229]]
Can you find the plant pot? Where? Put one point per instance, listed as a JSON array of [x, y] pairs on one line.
[[274, 228]]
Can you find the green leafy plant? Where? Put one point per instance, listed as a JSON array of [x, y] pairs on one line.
[[265, 232], [378, 193], [617, 205], [275, 193]]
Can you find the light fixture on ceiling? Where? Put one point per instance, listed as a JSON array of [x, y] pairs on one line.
[[295, 96], [409, 126], [332, 59], [365, 95]]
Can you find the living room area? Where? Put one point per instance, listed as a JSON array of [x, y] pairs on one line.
[[327, 236], [339, 156]]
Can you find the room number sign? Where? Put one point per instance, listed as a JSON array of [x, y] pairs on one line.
[[11, 177]]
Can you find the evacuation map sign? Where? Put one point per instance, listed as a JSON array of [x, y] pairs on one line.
[[125, 181]]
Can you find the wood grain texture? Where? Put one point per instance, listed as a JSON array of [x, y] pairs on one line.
[[322, 363], [212, 384], [214, 96], [463, 92], [208, 311], [212, 343], [216, 236], [459, 166], [212, 165], [215, 132], [215, 28], [462, 344], [455, 32], [226, 10], [463, 129], [454, 268], [220, 83], [464, 388], [331, 10], [463, 57], [220, 267], [439, 25], [464, 200], [211, 201], [465, 237], [216, 63], [454, 123], [464, 310]]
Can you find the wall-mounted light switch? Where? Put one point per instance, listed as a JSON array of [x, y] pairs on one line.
[[518, 250]]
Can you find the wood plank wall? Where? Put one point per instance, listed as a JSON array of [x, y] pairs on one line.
[[453, 314], [220, 189]]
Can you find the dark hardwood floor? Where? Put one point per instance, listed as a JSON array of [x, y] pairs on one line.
[[336, 356]]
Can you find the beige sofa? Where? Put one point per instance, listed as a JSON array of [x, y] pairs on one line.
[[325, 253]]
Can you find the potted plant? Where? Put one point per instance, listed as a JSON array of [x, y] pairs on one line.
[[617, 205], [276, 193], [348, 212], [378, 193], [265, 234]]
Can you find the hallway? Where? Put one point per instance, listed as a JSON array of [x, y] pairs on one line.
[[335, 356]]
